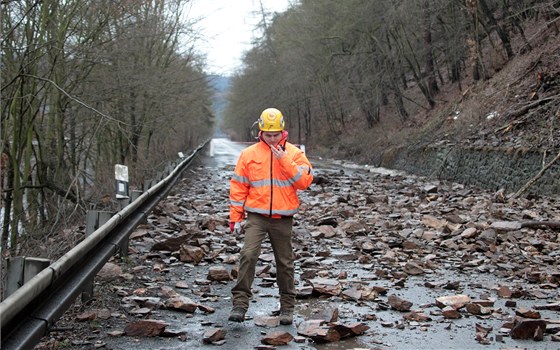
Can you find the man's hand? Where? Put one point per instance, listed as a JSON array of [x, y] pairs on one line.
[[235, 228], [278, 151]]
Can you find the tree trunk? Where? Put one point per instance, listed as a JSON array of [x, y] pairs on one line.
[[7, 194], [432, 85], [473, 43], [502, 33]]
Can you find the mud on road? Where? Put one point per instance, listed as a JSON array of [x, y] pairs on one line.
[[382, 249]]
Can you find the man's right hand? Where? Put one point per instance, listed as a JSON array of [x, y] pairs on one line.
[[235, 228]]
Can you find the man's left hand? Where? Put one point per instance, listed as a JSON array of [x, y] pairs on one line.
[[278, 151]]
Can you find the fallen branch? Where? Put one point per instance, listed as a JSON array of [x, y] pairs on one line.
[[523, 112], [527, 107], [536, 177], [508, 127], [536, 224]]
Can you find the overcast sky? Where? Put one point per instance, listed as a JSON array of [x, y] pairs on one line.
[[227, 26]]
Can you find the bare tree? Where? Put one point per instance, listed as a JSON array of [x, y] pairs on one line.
[[74, 104]]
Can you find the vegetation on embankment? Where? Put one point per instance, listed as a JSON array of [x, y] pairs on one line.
[[358, 78]]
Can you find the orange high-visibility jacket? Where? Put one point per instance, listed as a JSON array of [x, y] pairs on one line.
[[263, 184]]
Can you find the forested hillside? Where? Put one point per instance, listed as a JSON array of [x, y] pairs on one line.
[[87, 84], [357, 77]]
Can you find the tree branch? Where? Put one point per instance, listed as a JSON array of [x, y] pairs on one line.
[[536, 224], [536, 177], [74, 98]]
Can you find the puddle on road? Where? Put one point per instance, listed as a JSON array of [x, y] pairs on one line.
[[350, 343], [329, 165]]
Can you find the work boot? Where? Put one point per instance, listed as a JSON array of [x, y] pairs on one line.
[[286, 317], [237, 314]]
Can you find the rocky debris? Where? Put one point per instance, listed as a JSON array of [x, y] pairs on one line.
[[277, 338], [145, 328], [87, 316], [399, 304], [327, 313], [321, 331], [267, 321], [218, 273], [524, 328], [527, 313], [214, 336], [376, 253], [326, 286], [110, 271], [454, 301], [191, 254], [505, 226], [552, 307], [181, 303], [478, 309]]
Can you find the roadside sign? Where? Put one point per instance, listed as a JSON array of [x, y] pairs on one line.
[[121, 181]]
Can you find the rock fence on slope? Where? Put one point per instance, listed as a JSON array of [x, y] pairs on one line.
[[490, 168]]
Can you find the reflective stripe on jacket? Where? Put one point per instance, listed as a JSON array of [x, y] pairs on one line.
[[265, 185]]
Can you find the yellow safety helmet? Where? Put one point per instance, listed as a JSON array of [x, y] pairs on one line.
[[271, 119]]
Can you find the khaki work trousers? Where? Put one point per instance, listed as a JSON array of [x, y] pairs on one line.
[[280, 235]]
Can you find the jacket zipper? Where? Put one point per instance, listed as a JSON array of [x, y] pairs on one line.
[[271, 183]]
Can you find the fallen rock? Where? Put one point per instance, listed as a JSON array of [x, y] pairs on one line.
[[455, 301], [524, 328], [191, 254], [181, 303], [277, 338], [109, 272], [322, 332], [145, 328], [218, 273], [326, 286], [267, 321], [399, 304], [506, 225], [214, 335], [527, 313]]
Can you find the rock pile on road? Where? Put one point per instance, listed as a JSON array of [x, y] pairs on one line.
[[388, 259]]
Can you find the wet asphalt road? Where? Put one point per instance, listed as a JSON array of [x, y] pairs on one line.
[[456, 334]]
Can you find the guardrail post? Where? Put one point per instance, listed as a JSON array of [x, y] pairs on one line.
[[94, 220], [147, 184], [122, 202], [134, 196], [211, 149], [21, 269]]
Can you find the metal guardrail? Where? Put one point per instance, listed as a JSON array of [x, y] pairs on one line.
[[28, 313]]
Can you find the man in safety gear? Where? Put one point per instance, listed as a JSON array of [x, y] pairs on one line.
[[264, 185]]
